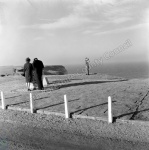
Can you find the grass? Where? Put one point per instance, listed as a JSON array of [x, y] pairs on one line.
[[87, 95]]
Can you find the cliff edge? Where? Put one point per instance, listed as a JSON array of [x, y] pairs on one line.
[[18, 70]]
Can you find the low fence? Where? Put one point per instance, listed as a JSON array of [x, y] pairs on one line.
[[67, 115]]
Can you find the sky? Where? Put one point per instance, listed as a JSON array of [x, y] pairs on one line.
[[64, 32]]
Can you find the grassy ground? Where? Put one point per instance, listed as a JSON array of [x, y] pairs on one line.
[[87, 95]]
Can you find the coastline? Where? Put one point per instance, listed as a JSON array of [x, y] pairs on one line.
[[125, 70]]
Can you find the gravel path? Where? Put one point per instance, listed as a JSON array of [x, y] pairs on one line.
[[25, 131]]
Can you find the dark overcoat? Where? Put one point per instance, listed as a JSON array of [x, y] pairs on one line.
[[28, 70]]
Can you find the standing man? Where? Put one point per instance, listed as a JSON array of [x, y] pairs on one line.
[[38, 70], [87, 65]]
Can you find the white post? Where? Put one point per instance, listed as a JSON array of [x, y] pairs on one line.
[[3, 100], [31, 103], [45, 83], [66, 107], [110, 117]]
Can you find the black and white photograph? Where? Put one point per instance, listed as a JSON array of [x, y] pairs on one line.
[[74, 74]]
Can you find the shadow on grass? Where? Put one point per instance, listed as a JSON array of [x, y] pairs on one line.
[[27, 101], [76, 79], [87, 82], [84, 109], [56, 104], [13, 97], [134, 113]]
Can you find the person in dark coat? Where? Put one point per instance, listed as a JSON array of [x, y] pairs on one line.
[[38, 70], [28, 69]]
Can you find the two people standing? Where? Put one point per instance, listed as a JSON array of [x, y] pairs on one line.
[[33, 72]]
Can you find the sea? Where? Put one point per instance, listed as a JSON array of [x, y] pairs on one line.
[[125, 70]]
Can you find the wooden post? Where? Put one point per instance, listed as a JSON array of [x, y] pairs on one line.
[[31, 103], [110, 117], [67, 115], [3, 100]]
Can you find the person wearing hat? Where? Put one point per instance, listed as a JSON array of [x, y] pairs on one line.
[[28, 69], [87, 65], [38, 72]]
